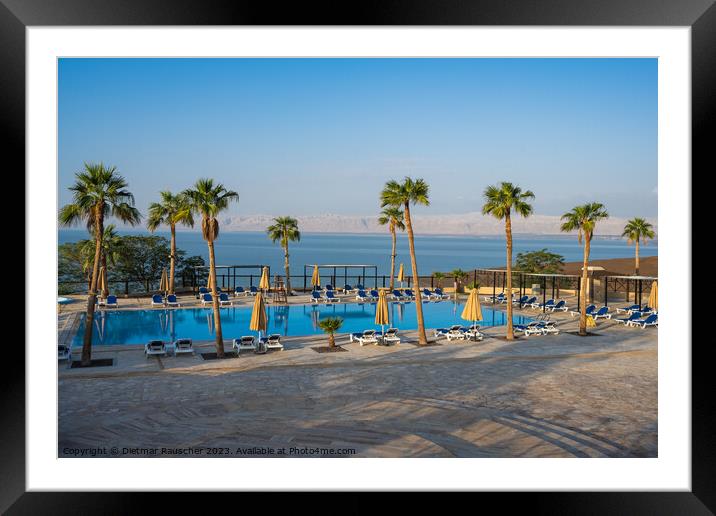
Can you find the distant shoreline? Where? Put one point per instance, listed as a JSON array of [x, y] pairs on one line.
[[382, 234]]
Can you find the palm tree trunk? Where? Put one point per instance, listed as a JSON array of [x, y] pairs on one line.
[[172, 258], [92, 297], [636, 264], [215, 302], [422, 339], [508, 234], [286, 266], [105, 292], [583, 290], [331, 340], [392, 258]]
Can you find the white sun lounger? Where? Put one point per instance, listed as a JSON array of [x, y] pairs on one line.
[[273, 341], [183, 346], [246, 342], [390, 337], [367, 337], [155, 347], [64, 352]]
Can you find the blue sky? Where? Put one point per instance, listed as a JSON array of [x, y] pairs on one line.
[[312, 136]]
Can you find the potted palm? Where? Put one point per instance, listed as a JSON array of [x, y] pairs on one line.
[[330, 326]]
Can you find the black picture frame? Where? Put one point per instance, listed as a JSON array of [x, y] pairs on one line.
[[700, 15]]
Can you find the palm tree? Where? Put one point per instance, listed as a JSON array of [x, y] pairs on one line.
[[99, 192], [583, 219], [172, 210], [500, 202], [636, 230], [393, 217], [439, 277], [330, 325], [284, 230], [208, 200], [458, 275], [111, 247], [410, 191]]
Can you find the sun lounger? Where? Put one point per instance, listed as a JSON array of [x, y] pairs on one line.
[[110, 302], [533, 328], [628, 308], [224, 300], [247, 342], [157, 300], [347, 289], [183, 346], [330, 297], [546, 305], [253, 291], [426, 294], [439, 292], [64, 352], [561, 305], [473, 333], [643, 323], [172, 301], [634, 316], [602, 313], [409, 293], [202, 291], [239, 291], [589, 311], [442, 332], [374, 294], [397, 295], [390, 337], [520, 301], [273, 341], [316, 297], [459, 334], [362, 296], [529, 302], [206, 299], [327, 288], [155, 347], [366, 337], [644, 311], [360, 286]]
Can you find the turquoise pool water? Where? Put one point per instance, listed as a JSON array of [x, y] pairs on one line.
[[140, 326]]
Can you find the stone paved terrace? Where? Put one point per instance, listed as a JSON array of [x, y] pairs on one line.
[[542, 396]]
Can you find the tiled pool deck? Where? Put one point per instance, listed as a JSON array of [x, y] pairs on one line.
[[545, 396]]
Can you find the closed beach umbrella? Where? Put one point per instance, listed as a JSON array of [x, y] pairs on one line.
[[258, 315], [381, 311], [316, 278], [164, 281], [264, 283], [654, 296], [401, 274], [472, 311], [102, 280]]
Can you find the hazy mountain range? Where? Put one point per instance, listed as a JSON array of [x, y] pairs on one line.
[[464, 224]]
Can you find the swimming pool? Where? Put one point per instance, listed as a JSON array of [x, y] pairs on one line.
[[140, 326]]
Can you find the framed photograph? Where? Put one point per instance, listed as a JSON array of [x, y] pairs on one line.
[[417, 252]]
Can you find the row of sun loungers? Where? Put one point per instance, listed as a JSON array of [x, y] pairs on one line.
[[372, 337], [458, 332], [185, 346]]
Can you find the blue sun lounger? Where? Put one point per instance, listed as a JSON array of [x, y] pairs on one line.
[[206, 299], [330, 297], [634, 316], [652, 320], [316, 297], [374, 294], [157, 300], [239, 291], [172, 300], [362, 296], [439, 292], [589, 311], [397, 296], [602, 313]]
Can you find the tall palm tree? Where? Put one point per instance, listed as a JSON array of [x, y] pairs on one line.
[[410, 191], [208, 200], [636, 230], [500, 202], [393, 217], [99, 192], [284, 230], [172, 210], [439, 277], [583, 219]]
